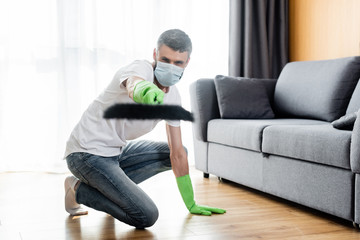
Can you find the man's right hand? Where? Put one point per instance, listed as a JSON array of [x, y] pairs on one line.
[[148, 93]]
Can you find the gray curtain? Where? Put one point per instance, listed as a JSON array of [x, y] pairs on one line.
[[258, 41]]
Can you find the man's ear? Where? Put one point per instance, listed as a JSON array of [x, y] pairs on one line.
[[154, 54]]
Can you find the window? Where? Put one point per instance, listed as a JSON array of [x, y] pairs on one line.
[[56, 56]]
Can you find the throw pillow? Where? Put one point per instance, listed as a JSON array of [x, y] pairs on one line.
[[345, 122], [242, 98]]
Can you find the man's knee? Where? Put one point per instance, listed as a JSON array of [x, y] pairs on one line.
[[152, 216], [148, 219]]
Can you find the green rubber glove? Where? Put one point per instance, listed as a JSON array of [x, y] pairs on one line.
[[148, 93], [187, 194]]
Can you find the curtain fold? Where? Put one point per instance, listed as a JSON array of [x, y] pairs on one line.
[[258, 38]]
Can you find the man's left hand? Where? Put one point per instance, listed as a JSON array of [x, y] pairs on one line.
[[205, 210], [187, 193]]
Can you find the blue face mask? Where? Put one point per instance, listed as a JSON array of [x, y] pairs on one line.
[[167, 74]]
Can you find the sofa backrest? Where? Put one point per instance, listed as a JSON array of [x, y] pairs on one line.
[[316, 89]]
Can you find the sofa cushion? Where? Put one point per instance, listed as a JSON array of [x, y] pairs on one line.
[[316, 89], [354, 104], [315, 143], [245, 133], [242, 98]]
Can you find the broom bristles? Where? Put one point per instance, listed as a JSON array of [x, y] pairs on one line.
[[147, 111]]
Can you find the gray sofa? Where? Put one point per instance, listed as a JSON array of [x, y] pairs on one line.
[[299, 142]]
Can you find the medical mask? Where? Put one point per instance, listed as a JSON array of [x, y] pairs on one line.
[[168, 74]]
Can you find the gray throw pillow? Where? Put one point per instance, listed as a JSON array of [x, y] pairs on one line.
[[242, 98], [345, 122]]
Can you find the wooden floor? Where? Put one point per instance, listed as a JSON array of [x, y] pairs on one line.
[[31, 207]]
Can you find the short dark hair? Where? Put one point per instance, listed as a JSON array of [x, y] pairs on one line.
[[175, 39]]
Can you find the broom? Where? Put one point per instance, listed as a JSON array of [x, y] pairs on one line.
[[148, 111]]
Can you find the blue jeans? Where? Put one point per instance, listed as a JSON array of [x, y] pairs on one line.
[[109, 184]]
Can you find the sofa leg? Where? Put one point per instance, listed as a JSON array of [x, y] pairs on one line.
[[206, 175], [356, 225], [220, 179]]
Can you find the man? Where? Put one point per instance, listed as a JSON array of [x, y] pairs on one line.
[[106, 167]]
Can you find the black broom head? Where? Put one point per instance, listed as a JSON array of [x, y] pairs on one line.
[[148, 111]]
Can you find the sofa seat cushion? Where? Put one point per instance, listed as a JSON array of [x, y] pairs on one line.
[[245, 133], [315, 143]]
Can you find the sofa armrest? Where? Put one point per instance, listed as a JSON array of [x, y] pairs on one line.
[[355, 145], [204, 106]]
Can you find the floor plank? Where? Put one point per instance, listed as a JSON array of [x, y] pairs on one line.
[[31, 207]]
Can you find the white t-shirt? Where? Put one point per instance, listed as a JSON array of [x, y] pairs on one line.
[[106, 137]]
